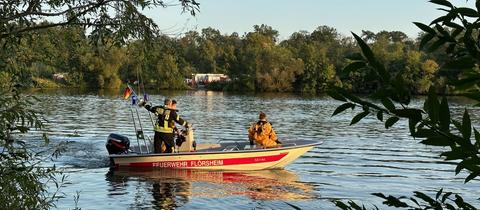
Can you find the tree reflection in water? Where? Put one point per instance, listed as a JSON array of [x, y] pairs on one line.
[[174, 188], [168, 195]]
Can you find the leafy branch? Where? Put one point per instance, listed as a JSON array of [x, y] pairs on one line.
[[22, 180], [442, 200], [104, 17], [433, 124]]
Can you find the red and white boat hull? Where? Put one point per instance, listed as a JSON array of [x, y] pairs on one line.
[[273, 158]]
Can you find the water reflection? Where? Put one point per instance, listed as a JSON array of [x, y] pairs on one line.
[[170, 189], [167, 195]]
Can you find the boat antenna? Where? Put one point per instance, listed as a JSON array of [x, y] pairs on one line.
[[146, 98]]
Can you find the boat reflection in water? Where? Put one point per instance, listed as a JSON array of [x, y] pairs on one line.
[[171, 188]]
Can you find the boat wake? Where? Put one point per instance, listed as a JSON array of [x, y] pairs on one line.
[[83, 155]]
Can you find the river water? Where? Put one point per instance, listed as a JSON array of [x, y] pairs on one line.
[[353, 162]]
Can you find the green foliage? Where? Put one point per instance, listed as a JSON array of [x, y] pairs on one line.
[[23, 183], [437, 119], [433, 124], [45, 83], [168, 74], [102, 67], [32, 52], [276, 69], [37, 50], [306, 62], [217, 85], [156, 64], [106, 19], [442, 200], [321, 52]]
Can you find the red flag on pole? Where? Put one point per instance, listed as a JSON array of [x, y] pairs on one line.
[[128, 91]]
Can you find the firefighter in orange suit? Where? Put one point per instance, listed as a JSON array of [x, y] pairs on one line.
[[262, 133]]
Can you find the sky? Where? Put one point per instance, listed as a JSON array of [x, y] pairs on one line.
[[287, 17]]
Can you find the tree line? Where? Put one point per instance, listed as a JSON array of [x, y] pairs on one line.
[[306, 62]]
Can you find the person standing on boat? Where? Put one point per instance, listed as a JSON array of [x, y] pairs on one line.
[[164, 127], [262, 133]]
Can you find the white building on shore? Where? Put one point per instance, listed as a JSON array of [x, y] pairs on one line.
[[200, 80]]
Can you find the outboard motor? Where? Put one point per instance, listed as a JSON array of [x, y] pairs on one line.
[[117, 144]]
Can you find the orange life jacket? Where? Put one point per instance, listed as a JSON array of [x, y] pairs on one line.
[[263, 134]]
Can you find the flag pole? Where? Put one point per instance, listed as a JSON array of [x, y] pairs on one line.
[[126, 94]]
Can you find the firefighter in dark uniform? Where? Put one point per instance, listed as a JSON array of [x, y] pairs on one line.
[[164, 127]]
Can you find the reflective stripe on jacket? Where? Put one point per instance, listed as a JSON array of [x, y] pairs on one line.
[[166, 119]]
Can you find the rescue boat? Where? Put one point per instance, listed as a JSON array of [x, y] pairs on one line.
[[236, 155]]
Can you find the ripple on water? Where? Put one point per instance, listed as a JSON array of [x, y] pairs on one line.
[[353, 162]]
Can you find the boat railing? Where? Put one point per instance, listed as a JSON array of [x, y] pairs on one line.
[[230, 141], [289, 144], [237, 144], [150, 141], [227, 141], [231, 148]]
